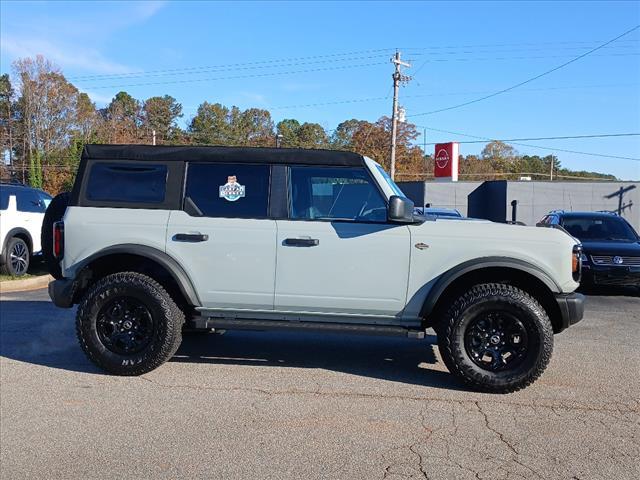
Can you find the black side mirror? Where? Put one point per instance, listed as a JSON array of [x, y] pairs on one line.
[[400, 209]]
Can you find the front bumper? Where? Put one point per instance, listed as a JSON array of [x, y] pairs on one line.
[[571, 309], [62, 292], [611, 275]]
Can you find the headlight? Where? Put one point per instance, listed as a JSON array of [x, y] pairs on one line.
[[584, 258], [576, 262]]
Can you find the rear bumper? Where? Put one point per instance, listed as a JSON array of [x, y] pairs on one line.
[[62, 292], [571, 309]]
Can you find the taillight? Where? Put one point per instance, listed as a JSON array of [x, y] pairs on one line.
[[58, 240]]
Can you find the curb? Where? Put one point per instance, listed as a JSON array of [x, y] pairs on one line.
[[26, 284]]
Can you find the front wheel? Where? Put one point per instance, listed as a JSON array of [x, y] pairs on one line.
[[496, 338], [127, 324]]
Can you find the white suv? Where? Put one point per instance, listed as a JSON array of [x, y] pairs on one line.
[[152, 239], [21, 214]]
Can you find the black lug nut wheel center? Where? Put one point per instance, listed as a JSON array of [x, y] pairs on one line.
[[125, 325], [496, 341]]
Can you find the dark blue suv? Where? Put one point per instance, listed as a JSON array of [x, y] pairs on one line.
[[611, 247]]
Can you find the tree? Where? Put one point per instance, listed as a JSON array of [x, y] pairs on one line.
[[47, 111], [7, 117], [306, 135], [342, 138], [122, 120], [255, 128], [161, 114], [210, 125]]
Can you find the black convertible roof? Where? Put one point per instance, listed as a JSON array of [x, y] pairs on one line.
[[222, 154]]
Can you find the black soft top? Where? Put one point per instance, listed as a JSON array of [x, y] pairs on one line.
[[222, 154]]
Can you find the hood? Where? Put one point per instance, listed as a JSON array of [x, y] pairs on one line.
[[611, 248]]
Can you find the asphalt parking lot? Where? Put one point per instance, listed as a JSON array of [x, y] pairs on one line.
[[289, 406]]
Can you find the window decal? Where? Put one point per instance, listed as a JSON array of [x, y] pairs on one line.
[[232, 190]]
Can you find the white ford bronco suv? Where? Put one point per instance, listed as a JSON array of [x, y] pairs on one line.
[[156, 239]]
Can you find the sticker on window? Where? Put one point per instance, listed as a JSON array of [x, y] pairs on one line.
[[232, 190]]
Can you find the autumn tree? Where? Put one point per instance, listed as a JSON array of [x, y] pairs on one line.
[[49, 113]]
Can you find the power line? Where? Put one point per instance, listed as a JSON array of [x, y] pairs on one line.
[[310, 57], [554, 149], [530, 79], [386, 97], [566, 137], [204, 70], [235, 77]]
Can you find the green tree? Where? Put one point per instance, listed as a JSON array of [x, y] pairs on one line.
[[161, 114], [123, 119], [210, 124]]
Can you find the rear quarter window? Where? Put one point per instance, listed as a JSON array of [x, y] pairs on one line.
[[229, 190], [112, 182]]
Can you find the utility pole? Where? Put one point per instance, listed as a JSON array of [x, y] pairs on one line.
[[154, 136], [397, 78], [551, 174]]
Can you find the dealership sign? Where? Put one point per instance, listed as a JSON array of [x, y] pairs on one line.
[[446, 161]]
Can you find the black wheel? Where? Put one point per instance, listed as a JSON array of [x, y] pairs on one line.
[[496, 338], [55, 212], [16, 257], [128, 324]]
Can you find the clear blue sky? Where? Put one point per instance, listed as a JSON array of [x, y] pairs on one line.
[[460, 51]]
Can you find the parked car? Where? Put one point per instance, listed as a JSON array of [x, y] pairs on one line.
[[611, 247], [155, 238], [21, 214], [438, 212]]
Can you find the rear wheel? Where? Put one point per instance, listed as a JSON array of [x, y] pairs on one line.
[[127, 324], [496, 338], [16, 257]]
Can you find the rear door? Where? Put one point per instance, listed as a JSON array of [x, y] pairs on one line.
[[224, 238], [336, 253], [31, 208]]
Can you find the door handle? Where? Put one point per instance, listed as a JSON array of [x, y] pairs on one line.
[[190, 237], [301, 242]]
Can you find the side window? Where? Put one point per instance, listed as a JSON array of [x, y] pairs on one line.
[[45, 198], [29, 201], [229, 190], [4, 197], [112, 182], [326, 193]]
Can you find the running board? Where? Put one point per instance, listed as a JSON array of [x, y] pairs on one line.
[[208, 323]]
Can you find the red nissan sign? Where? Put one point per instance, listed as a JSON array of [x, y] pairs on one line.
[[446, 161]]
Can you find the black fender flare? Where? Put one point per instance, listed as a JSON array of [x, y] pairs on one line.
[[456, 272], [163, 259], [14, 232]]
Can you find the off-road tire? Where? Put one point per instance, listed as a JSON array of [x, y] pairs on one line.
[[493, 297], [167, 318], [55, 212], [7, 268]]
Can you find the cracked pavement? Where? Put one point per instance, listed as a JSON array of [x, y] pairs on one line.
[[300, 405]]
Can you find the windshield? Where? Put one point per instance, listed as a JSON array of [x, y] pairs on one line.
[[599, 228], [391, 183]]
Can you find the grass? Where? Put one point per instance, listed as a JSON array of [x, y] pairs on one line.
[[36, 269]]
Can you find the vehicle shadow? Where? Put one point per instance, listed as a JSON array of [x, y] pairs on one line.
[[37, 332], [396, 359]]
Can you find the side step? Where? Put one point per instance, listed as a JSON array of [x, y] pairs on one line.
[[208, 323]]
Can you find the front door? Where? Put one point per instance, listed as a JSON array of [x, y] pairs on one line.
[[336, 253], [223, 238]]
